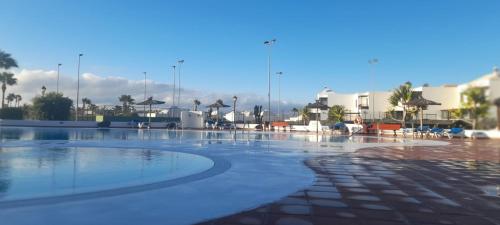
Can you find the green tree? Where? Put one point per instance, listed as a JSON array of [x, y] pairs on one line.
[[196, 103], [295, 111], [497, 104], [86, 102], [6, 62], [304, 113], [476, 104], [127, 101], [400, 96], [10, 98], [52, 106], [19, 98], [336, 113], [7, 79]]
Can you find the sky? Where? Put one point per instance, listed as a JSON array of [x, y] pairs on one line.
[[319, 43]]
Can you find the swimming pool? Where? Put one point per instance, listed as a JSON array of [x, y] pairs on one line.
[[259, 168], [27, 172]]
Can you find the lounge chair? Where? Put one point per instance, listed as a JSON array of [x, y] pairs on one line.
[[421, 130], [406, 131], [436, 132], [456, 131]]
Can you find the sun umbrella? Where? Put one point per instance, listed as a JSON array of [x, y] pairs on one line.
[[421, 103], [150, 102], [218, 104]]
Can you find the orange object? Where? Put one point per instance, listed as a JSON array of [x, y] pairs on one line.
[[279, 124], [385, 126]]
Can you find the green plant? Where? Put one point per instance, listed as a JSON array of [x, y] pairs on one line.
[[11, 113], [52, 106], [304, 113], [400, 96], [476, 104], [336, 113]]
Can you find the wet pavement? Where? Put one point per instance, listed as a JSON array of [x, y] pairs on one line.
[[454, 184]]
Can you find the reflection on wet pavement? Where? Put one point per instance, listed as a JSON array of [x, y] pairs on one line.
[[454, 184]]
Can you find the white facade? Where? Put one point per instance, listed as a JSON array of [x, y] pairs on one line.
[[375, 104]]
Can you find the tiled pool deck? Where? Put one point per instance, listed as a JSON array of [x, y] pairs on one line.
[[453, 184]]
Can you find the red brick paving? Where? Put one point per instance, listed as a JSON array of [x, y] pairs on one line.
[[455, 184]]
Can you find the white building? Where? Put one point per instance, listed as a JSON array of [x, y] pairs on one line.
[[375, 104]]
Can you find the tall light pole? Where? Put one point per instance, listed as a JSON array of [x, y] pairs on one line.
[[58, 69], [373, 62], [173, 94], [78, 87], [235, 98], [279, 95], [269, 43], [180, 62], [144, 94]]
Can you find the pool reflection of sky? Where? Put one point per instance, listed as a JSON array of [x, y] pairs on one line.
[[35, 172]]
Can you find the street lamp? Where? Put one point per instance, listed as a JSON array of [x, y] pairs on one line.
[[180, 62], [173, 94], [144, 93], [43, 90], [78, 87], [279, 95], [269, 43], [58, 69], [373, 62], [234, 111]]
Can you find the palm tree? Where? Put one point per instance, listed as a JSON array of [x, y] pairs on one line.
[[85, 102], [6, 62], [127, 101], [295, 111], [44, 89], [7, 79], [336, 113], [476, 104], [304, 113], [10, 98], [93, 108], [18, 100], [400, 96], [497, 103], [196, 103]]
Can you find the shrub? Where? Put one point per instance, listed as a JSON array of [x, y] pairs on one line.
[[11, 113]]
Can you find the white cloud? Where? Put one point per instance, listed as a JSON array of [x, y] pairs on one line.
[[104, 90]]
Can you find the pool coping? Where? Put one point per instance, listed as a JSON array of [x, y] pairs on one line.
[[220, 166]]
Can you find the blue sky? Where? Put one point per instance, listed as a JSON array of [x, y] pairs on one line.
[[320, 43]]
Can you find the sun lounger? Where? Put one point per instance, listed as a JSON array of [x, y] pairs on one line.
[[455, 132], [436, 132], [423, 130]]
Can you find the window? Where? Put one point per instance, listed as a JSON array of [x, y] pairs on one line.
[[363, 102]]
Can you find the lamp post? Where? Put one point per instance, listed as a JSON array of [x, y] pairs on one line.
[[180, 62], [373, 62], [173, 93], [279, 95], [58, 69], [144, 93], [269, 43], [235, 98], [78, 87]]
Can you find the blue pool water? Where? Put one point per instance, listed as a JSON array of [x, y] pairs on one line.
[[39, 171], [60, 161]]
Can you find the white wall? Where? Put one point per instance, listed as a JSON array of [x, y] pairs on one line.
[[192, 119], [449, 97], [347, 100]]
